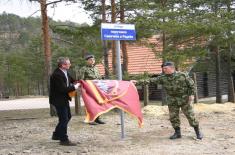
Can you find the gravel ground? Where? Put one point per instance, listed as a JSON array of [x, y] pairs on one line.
[[28, 132]]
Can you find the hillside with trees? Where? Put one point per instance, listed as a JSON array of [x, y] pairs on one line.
[[22, 57]]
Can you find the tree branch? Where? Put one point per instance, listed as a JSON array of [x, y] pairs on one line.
[[75, 27], [54, 2], [33, 13], [69, 42]]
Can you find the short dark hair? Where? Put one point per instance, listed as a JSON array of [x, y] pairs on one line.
[[61, 61]]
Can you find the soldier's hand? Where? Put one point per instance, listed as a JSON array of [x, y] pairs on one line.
[[133, 81], [191, 98]]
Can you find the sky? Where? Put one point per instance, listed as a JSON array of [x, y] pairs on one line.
[[62, 12]]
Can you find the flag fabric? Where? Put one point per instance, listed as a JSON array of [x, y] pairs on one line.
[[100, 96]]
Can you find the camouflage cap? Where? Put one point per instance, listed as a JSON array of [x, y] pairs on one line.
[[89, 56], [168, 63]]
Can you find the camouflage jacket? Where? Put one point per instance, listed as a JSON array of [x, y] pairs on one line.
[[176, 84], [89, 73]]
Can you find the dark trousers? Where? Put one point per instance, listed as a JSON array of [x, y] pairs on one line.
[[64, 115]]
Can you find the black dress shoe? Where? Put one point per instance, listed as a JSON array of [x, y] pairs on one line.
[[93, 123], [67, 143], [55, 137], [99, 121]]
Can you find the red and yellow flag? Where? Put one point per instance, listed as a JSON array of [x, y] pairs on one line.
[[100, 96]]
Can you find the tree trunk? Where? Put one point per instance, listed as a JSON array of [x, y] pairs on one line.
[[78, 105], [163, 49], [38, 86], [231, 97], [123, 43], [105, 50], [28, 88], [47, 46], [43, 87], [146, 94], [113, 20], [218, 75], [17, 89]]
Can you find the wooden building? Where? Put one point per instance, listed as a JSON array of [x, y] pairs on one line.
[[143, 59]]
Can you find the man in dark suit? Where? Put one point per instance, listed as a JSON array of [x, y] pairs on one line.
[[61, 83]]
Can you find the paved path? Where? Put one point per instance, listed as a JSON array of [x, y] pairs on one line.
[[43, 102], [26, 103]]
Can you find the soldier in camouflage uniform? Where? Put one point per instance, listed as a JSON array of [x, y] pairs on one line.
[[91, 72], [179, 95]]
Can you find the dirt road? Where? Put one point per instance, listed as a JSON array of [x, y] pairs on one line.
[[29, 132]]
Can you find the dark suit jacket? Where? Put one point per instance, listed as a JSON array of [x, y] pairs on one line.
[[59, 90]]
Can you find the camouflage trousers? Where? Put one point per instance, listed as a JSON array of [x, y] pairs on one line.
[[174, 106]]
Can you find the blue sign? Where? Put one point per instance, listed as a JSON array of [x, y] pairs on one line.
[[118, 31]]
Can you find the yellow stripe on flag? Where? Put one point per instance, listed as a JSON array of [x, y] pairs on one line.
[[96, 93]]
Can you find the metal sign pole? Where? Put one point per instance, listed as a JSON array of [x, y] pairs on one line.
[[119, 74], [117, 32]]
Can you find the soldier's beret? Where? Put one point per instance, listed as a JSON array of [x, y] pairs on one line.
[[89, 56], [168, 63]]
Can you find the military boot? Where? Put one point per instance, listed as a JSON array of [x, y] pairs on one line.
[[177, 133], [198, 133]]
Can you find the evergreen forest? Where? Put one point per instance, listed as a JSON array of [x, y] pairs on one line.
[[198, 31]]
